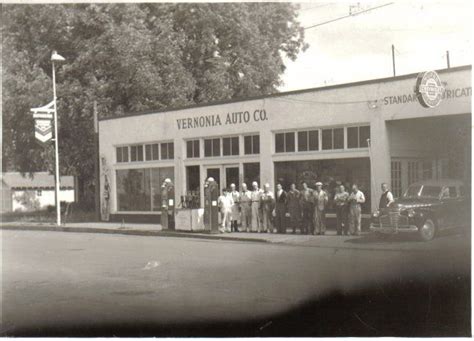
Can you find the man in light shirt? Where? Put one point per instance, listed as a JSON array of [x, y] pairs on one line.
[[356, 199], [245, 208], [386, 198], [235, 214], [225, 203]]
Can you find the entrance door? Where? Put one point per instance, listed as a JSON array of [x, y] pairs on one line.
[[216, 174], [231, 176]]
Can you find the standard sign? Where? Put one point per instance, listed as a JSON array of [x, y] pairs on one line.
[[43, 122]]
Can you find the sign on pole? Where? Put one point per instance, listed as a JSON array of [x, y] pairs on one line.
[[43, 122]]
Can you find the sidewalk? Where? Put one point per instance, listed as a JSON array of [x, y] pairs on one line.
[[366, 241]]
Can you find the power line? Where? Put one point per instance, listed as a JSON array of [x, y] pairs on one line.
[[347, 16]]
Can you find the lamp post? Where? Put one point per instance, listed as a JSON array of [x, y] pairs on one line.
[[55, 57]]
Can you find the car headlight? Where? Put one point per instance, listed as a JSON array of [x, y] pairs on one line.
[[411, 213], [376, 214]]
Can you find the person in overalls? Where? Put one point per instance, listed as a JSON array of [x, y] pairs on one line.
[[356, 199], [225, 203]]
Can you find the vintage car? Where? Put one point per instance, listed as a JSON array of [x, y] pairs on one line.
[[426, 208]]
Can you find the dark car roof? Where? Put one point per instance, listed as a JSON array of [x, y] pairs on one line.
[[440, 182]]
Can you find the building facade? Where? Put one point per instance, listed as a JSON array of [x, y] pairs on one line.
[[367, 133]]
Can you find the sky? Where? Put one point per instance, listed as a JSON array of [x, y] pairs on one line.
[[359, 47]]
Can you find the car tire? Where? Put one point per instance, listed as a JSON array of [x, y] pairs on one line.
[[427, 231]]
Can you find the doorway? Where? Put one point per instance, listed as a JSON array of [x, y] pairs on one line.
[[215, 172]]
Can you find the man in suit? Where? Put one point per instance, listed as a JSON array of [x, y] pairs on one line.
[[294, 207], [280, 209], [307, 204]]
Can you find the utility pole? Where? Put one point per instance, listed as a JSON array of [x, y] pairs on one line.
[[96, 162], [447, 59], [393, 59], [56, 58]]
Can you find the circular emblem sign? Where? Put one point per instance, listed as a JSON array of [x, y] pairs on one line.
[[429, 89]]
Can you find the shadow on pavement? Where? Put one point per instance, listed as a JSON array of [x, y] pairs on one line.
[[408, 308]]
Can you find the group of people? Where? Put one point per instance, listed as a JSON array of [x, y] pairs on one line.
[[261, 210]]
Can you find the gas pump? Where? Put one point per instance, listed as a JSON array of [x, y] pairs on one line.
[[211, 210], [167, 205]]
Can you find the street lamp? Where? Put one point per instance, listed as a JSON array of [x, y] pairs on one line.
[[55, 57]]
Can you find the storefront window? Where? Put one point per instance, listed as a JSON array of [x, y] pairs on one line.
[[192, 149], [329, 172], [139, 190], [396, 172], [412, 172], [285, 142], [252, 144], [230, 146], [193, 190], [212, 147]]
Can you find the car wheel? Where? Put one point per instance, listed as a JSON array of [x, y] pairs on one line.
[[427, 231]]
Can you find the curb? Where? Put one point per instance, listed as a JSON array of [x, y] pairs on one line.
[[128, 232]]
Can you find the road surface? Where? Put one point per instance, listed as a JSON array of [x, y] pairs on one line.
[[80, 284]]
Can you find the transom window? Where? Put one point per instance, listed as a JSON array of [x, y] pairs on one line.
[[357, 136], [136, 153], [152, 152], [122, 154], [167, 151], [212, 147], [285, 142], [308, 140], [252, 144], [333, 138], [192, 149], [230, 146]]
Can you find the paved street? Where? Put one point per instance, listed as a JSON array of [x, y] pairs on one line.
[[57, 283]]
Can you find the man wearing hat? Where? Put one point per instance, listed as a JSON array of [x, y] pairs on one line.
[[320, 202]]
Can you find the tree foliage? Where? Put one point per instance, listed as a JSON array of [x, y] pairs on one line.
[[132, 57]]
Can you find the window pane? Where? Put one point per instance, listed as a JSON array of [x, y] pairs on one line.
[[133, 153], [226, 145], [352, 137], [364, 134], [235, 146], [148, 152], [327, 139], [189, 149], [256, 144], [196, 148], [248, 145], [207, 147], [302, 141], [125, 154], [216, 147], [118, 156], [155, 151], [170, 150], [279, 143], [164, 151], [313, 140], [290, 142], [339, 138], [140, 153]]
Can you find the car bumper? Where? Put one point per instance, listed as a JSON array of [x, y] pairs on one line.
[[393, 229]]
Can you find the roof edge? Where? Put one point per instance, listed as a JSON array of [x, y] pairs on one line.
[[286, 93]]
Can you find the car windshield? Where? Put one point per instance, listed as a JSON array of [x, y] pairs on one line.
[[426, 191]]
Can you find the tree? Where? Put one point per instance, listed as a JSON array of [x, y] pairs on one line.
[[132, 57]]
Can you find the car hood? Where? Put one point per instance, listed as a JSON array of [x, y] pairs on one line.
[[407, 203]]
